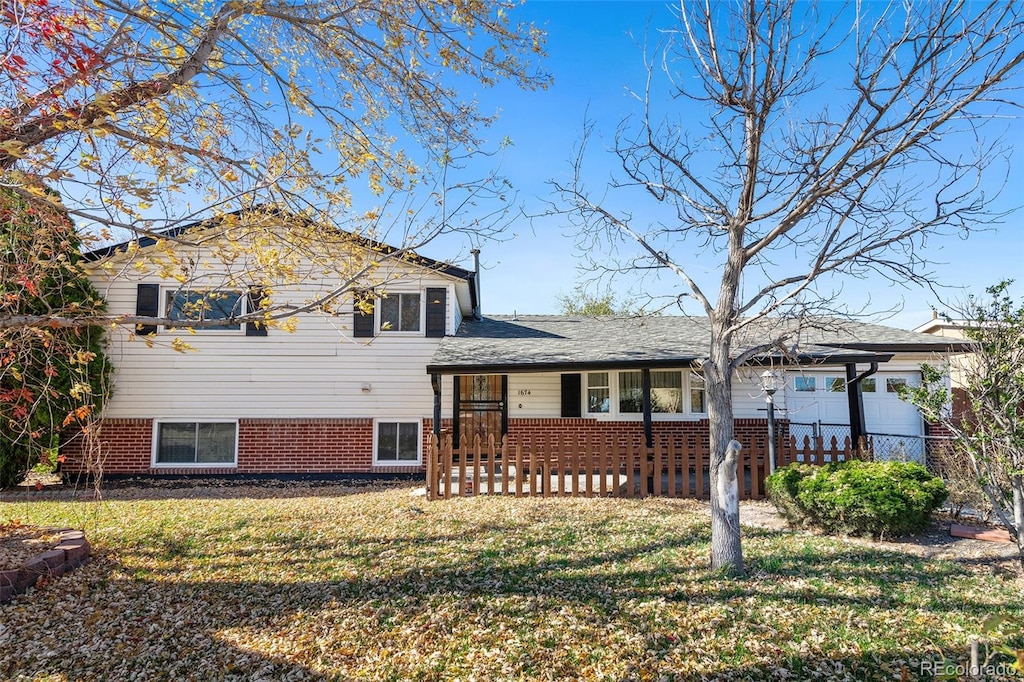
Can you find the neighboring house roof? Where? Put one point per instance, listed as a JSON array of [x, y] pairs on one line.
[[941, 327], [538, 343], [146, 241]]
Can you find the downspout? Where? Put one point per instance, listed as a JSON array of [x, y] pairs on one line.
[[477, 314], [435, 383], [855, 398]]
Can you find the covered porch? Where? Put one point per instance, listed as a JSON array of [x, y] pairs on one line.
[[553, 405]]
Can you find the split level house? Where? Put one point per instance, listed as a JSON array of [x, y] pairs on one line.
[[360, 389]]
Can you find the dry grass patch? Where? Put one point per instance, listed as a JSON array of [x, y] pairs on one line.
[[315, 583]]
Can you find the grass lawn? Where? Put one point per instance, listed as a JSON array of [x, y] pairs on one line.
[[335, 583]]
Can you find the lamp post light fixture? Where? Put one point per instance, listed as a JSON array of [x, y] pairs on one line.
[[770, 384]]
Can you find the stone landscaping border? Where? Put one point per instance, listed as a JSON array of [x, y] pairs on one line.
[[72, 551]]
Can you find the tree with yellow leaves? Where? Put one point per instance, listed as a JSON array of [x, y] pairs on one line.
[[149, 116]]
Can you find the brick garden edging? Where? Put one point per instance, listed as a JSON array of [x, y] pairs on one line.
[[71, 552]]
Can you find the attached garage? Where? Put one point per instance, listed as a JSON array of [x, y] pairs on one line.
[[817, 404]]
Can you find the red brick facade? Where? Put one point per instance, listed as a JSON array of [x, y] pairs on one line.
[[338, 446], [265, 446], [747, 430]]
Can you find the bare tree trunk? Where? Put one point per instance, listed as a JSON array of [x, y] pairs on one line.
[[726, 548], [1018, 516]]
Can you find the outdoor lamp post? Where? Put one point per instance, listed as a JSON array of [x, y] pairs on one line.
[[770, 384]]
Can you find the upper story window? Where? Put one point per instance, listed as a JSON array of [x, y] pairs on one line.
[[400, 312], [204, 306], [423, 312], [191, 306]]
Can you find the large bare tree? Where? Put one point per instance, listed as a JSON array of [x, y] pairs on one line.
[[785, 146]]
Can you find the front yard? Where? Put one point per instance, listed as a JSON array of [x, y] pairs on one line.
[[327, 582]]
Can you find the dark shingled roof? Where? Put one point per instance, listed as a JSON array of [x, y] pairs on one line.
[[535, 343], [145, 241]]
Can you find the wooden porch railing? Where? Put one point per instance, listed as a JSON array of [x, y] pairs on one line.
[[604, 467]]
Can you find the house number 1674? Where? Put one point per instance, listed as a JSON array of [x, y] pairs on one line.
[[524, 391]]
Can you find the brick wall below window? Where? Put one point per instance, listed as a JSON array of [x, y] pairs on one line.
[[269, 446], [264, 446]]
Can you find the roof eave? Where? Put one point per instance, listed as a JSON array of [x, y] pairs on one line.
[[508, 367], [944, 347]]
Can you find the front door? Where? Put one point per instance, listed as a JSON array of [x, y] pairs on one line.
[[481, 407]]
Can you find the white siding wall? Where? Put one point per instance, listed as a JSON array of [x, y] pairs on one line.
[[317, 371], [538, 395]]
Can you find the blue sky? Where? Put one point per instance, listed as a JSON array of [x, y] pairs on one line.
[[595, 57]]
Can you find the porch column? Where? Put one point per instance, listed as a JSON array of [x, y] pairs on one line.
[[855, 398], [646, 389], [435, 383]]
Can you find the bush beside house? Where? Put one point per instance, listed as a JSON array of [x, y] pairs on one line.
[[53, 379], [876, 498]]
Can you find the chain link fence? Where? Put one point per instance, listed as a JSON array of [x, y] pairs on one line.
[[884, 446]]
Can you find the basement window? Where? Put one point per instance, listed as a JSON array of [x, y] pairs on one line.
[[195, 443], [397, 442]]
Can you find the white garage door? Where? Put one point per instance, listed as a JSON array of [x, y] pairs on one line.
[[816, 403]]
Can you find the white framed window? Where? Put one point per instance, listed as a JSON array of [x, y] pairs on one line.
[[401, 312], [835, 384], [195, 443], [667, 392], [397, 442], [698, 394], [205, 305], [867, 385], [894, 384], [631, 399], [599, 395], [805, 384], [673, 392]]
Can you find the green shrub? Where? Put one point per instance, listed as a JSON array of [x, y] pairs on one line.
[[782, 488], [876, 498]]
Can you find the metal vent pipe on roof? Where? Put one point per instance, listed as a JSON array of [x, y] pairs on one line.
[[477, 314]]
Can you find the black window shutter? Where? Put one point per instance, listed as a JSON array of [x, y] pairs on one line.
[[362, 323], [256, 297], [437, 299], [572, 400], [147, 304]]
